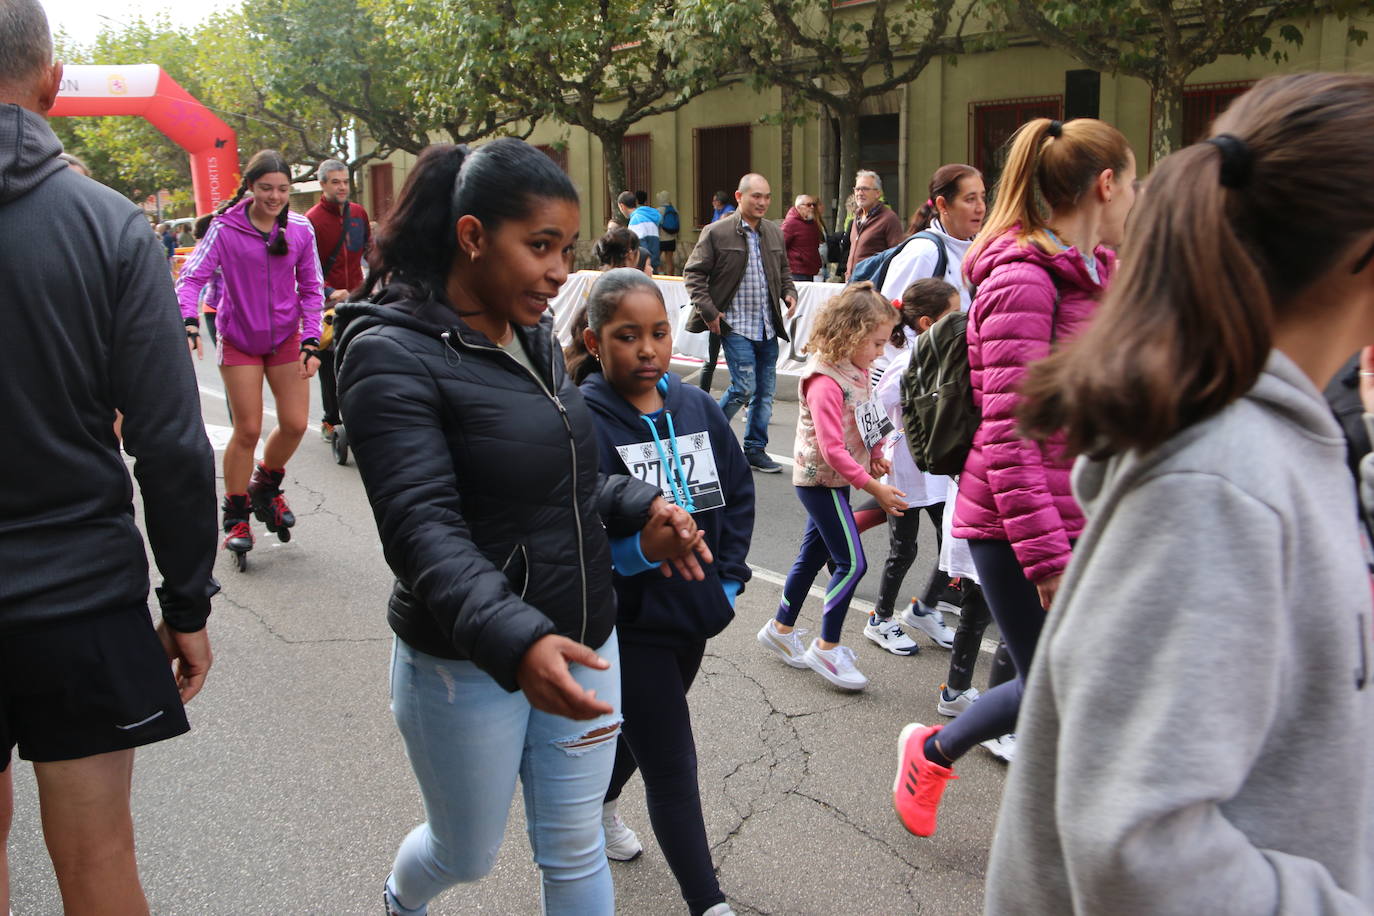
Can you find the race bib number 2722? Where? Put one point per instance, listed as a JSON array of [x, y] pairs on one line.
[[698, 466]]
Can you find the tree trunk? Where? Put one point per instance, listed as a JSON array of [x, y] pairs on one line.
[[613, 146], [1166, 133], [789, 130], [848, 119]]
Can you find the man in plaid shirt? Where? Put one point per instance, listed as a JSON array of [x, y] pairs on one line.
[[737, 276]]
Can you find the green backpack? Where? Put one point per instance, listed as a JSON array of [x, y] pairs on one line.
[[938, 415]]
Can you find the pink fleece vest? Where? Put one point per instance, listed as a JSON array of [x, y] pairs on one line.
[[810, 469]]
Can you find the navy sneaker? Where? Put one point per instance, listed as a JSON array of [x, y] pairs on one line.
[[760, 462]]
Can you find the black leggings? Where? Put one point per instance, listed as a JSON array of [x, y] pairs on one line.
[[656, 737], [329, 387], [901, 553], [708, 369], [1015, 605], [968, 642]]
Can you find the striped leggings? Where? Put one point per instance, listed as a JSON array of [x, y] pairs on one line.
[[830, 534]]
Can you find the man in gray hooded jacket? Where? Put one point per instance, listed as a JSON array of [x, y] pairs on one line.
[[91, 327]]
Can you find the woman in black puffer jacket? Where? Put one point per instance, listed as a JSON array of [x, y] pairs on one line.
[[481, 465]]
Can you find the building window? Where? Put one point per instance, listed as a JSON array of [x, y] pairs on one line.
[[638, 173], [880, 151], [559, 155], [1202, 104], [379, 176], [722, 157], [993, 123]]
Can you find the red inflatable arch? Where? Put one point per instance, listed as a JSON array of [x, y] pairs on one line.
[[145, 90]]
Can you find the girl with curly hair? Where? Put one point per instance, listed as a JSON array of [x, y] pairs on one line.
[[839, 445]]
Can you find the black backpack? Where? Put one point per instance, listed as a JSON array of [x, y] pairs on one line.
[[874, 267], [938, 415]]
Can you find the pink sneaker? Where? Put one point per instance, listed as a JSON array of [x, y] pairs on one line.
[[920, 782]]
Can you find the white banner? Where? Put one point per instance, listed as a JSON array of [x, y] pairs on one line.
[[83, 81]]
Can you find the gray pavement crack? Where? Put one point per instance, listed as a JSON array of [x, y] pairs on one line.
[[767, 790], [318, 497], [843, 816], [271, 631], [776, 753]]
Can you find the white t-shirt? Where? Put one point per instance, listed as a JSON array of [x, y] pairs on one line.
[[921, 489], [917, 261]]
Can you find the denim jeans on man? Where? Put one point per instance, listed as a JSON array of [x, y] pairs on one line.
[[467, 740], [753, 377]]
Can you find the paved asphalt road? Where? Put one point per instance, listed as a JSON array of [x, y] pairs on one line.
[[291, 793]]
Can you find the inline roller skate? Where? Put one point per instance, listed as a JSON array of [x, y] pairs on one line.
[[238, 534], [269, 506]]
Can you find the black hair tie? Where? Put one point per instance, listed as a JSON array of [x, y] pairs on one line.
[[1056, 129], [1237, 160]]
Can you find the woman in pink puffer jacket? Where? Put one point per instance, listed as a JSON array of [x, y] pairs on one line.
[[1038, 278]]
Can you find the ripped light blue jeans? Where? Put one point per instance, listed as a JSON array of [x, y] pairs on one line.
[[467, 740]]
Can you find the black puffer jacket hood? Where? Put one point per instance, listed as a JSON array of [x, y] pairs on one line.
[[483, 479]]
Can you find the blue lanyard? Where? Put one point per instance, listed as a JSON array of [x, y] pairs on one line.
[[677, 480]]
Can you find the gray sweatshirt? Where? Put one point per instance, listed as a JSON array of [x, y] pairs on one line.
[[1197, 734]]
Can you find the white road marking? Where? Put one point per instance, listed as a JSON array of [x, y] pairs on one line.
[[858, 604]]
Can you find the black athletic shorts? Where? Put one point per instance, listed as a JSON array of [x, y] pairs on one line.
[[667, 245], [90, 685]]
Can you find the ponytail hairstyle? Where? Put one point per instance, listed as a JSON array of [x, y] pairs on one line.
[[615, 246], [926, 298], [263, 162], [602, 301], [1228, 236], [416, 245], [846, 320], [944, 183], [1049, 166]]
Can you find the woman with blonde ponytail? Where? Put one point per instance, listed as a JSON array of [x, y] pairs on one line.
[[268, 323], [1198, 732], [1039, 264]]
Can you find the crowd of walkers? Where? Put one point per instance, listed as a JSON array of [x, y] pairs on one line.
[[1153, 481]]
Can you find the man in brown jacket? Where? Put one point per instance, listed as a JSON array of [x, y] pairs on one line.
[[875, 228], [736, 276]]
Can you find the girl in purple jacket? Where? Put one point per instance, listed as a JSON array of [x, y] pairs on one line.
[[1038, 274], [269, 328]]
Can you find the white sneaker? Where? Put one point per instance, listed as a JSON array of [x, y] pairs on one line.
[[621, 842], [953, 702], [787, 645], [720, 909], [887, 633], [1003, 748], [835, 665], [930, 622]]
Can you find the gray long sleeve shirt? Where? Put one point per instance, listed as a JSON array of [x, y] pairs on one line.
[[1197, 734]]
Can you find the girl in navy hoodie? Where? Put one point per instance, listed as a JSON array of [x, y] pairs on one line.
[[675, 437]]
